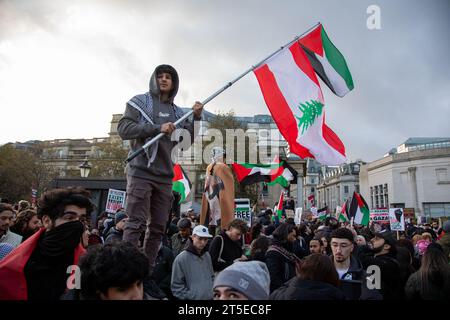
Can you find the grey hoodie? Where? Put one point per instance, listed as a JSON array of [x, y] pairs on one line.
[[192, 275], [131, 127]]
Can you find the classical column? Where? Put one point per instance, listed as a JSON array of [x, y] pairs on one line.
[[412, 176], [300, 189]]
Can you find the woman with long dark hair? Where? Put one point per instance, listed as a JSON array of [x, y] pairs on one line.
[[317, 279], [432, 281], [280, 258]]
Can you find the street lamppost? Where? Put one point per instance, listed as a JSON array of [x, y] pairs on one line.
[[85, 168]]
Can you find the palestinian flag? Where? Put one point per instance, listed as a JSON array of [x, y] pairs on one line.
[[293, 95], [281, 173], [322, 213], [327, 61], [280, 206], [180, 182], [359, 210], [343, 216]]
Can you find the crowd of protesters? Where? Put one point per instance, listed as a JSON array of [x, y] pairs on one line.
[[274, 259]]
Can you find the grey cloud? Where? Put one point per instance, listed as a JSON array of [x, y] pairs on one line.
[[401, 72]]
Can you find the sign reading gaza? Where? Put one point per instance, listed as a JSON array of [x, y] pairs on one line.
[[242, 210], [380, 216]]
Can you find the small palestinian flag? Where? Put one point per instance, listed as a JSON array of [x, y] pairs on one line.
[[322, 213], [280, 206], [359, 210], [180, 182], [281, 173], [343, 216], [327, 61]]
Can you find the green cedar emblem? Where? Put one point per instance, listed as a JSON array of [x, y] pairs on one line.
[[311, 111]]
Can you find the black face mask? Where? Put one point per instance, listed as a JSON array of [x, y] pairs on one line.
[[61, 240]]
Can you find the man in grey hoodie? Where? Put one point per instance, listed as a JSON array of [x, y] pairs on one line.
[[192, 270], [149, 175]]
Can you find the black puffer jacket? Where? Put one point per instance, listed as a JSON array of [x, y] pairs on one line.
[[281, 264], [297, 289], [391, 282]]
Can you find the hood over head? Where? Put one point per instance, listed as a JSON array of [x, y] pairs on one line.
[[153, 85]]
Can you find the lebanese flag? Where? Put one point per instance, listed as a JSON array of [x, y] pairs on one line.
[[293, 95], [359, 210], [327, 61], [281, 173], [180, 182]]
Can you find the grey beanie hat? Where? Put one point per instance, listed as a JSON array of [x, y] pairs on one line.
[[251, 278], [119, 217]]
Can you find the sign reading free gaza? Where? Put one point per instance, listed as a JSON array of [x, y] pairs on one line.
[[242, 210], [379, 216], [115, 200]]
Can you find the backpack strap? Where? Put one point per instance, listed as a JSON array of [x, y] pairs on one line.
[[219, 259]]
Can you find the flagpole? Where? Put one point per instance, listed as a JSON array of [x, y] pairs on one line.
[[215, 94]]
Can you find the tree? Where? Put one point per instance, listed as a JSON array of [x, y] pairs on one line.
[[22, 170], [110, 160]]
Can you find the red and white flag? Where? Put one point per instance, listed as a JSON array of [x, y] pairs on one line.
[[293, 95]]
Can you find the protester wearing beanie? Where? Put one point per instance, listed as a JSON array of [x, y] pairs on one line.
[[247, 280], [116, 232], [180, 239]]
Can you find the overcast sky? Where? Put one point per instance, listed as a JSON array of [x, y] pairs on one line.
[[67, 66]]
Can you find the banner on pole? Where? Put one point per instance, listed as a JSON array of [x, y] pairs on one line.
[[242, 210], [397, 219], [379, 216], [115, 200], [298, 215]]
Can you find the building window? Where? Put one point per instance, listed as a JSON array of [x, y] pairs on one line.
[[345, 189], [312, 180], [436, 210], [441, 175], [371, 197], [312, 190]]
